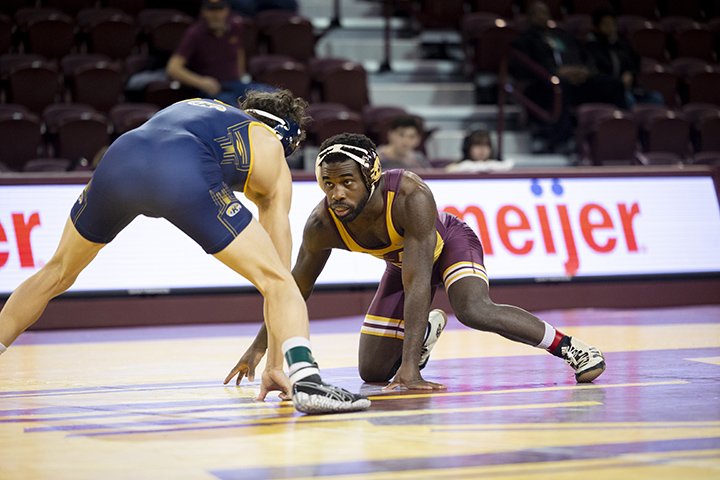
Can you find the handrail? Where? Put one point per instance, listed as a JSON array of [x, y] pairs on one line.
[[505, 86]]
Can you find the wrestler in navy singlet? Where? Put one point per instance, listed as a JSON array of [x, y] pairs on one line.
[[183, 165]]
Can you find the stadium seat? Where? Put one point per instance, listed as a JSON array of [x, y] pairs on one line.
[[703, 87], [662, 130], [685, 8], [70, 7], [661, 158], [99, 84], [12, 61], [486, 42], [501, 8], [589, 113], [671, 24], [52, 113], [649, 41], [24, 15], [293, 36], [52, 36], [13, 108], [47, 165], [163, 38], [80, 136], [328, 124], [162, 29], [705, 121], [630, 23], [288, 74], [612, 141], [643, 8], [72, 61], [250, 35], [707, 158], [20, 137], [114, 35], [661, 81], [9, 7], [694, 42], [377, 120], [318, 109], [164, 93], [578, 25], [35, 85], [586, 7], [132, 7], [259, 63], [126, 116], [341, 81], [87, 16], [440, 14]]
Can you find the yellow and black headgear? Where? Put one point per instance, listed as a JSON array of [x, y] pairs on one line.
[[368, 159]]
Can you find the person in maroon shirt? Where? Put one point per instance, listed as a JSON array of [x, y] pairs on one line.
[[211, 55]]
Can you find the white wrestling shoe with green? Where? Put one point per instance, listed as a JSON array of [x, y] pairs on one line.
[[437, 319], [588, 362], [313, 397]]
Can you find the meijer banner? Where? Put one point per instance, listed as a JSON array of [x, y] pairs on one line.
[[531, 229]]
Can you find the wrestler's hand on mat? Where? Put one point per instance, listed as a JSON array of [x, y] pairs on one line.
[[409, 377], [246, 366], [275, 379]]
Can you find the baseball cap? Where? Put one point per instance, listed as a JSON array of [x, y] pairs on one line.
[[215, 4]]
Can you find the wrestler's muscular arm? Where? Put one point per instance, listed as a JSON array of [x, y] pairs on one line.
[[414, 211], [314, 253], [269, 187]]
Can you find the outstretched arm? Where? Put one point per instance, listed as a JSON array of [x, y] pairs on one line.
[[416, 213], [308, 267], [269, 187], [177, 70]]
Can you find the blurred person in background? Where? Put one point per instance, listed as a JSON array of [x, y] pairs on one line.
[[560, 55], [611, 55], [211, 55], [478, 155], [403, 139]]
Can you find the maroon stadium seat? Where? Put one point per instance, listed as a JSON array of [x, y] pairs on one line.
[[20, 137]]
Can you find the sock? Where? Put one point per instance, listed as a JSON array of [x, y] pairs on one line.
[[2, 348], [551, 340], [300, 361]]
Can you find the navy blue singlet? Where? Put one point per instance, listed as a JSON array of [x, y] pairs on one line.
[[183, 165]]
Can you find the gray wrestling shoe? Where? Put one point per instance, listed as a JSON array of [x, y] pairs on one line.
[[588, 362], [312, 397], [437, 320]]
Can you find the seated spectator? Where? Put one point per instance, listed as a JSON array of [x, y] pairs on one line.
[[404, 138], [611, 55], [478, 155], [211, 55], [560, 55]]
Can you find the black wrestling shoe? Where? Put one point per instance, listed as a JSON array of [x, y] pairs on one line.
[[588, 362], [312, 397]]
